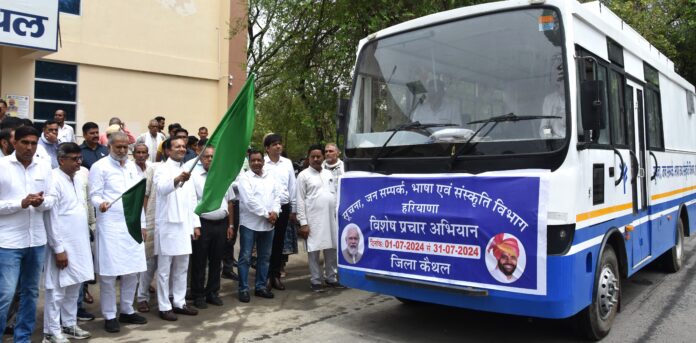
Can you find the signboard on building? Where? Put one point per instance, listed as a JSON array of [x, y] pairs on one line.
[[29, 24]]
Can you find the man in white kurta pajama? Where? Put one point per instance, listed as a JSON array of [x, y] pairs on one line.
[[69, 262], [175, 223], [117, 253], [316, 209]]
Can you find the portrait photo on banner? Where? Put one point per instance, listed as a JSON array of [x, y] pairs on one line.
[[505, 258], [352, 243]]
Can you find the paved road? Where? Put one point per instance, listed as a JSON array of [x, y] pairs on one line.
[[657, 307]]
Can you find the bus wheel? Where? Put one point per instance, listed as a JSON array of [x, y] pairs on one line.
[[674, 258], [595, 321]]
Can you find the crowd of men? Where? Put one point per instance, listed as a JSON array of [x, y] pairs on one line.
[[62, 215]]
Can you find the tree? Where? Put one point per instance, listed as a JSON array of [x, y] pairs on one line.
[[302, 51], [669, 25]]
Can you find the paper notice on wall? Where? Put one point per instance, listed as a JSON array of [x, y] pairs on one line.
[[17, 105]]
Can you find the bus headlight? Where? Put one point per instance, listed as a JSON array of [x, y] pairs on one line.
[[559, 238]]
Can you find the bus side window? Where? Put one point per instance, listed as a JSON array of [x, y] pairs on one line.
[[590, 69], [586, 71], [617, 114], [653, 113], [604, 133]]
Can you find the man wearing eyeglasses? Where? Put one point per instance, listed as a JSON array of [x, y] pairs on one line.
[[69, 261]]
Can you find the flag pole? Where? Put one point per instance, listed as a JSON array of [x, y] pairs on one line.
[[115, 200], [195, 161]]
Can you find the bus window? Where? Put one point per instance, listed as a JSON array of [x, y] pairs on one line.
[[603, 133], [616, 113], [653, 116]]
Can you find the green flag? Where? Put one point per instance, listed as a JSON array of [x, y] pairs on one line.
[[132, 209], [230, 139]]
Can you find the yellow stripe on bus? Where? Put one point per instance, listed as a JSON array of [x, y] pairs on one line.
[[612, 209], [603, 211], [670, 193]]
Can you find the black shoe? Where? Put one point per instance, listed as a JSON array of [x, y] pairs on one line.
[[83, 315], [214, 300], [335, 285], [132, 318], [168, 315], [317, 288], [200, 303], [230, 276], [277, 284], [244, 296], [264, 293], [112, 325]]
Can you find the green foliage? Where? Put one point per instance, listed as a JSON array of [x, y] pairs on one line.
[[669, 25], [303, 51]]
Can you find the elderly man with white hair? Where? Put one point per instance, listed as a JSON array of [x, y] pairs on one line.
[[118, 254]]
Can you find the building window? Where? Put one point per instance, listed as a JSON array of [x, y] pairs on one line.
[[69, 6], [55, 87], [690, 103]]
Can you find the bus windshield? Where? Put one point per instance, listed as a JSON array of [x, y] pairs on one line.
[[451, 79]]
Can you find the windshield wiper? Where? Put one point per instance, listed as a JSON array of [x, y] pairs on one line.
[[404, 127], [510, 117], [495, 120]]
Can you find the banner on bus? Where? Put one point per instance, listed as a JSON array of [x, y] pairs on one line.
[[485, 231]]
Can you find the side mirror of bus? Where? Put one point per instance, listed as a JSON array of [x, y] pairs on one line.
[[593, 101]]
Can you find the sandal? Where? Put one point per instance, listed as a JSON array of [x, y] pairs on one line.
[[143, 307]]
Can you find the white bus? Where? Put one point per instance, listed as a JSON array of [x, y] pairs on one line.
[[450, 110]]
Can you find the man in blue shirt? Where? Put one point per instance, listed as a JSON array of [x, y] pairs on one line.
[[92, 151]]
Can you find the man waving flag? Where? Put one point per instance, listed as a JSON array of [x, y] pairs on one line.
[[230, 139]]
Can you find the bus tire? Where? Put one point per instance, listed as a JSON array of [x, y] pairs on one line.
[[595, 321], [674, 258]]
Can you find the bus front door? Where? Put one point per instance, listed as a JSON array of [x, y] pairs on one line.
[[641, 236]]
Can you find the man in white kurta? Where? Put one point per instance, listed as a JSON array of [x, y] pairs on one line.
[[175, 224], [152, 139], [316, 210], [65, 131], [333, 163], [117, 253], [554, 105], [69, 261]]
